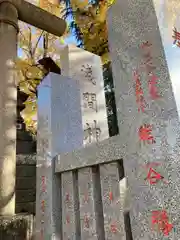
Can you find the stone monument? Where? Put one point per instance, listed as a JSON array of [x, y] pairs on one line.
[[144, 45], [59, 131], [86, 67]]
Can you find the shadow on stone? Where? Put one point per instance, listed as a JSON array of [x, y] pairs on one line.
[[17, 227], [127, 226]]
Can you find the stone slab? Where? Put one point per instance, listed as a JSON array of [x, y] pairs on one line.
[[148, 116], [103, 152], [59, 130], [112, 202], [88, 217], [70, 206], [86, 67]]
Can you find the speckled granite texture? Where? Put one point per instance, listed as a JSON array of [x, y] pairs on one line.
[[86, 68], [132, 23], [147, 110], [59, 130], [83, 203]]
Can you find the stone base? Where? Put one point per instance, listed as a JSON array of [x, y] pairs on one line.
[[17, 227]]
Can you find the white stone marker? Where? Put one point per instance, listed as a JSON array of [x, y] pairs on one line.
[[86, 67], [59, 130]]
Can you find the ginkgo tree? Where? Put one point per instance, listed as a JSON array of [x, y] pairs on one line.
[[33, 45], [90, 22], [89, 25]]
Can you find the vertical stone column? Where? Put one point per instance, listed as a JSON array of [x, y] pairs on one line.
[[64, 59], [59, 131], [8, 95], [145, 69], [86, 67]]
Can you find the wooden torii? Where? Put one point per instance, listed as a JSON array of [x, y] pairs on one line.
[[10, 12]]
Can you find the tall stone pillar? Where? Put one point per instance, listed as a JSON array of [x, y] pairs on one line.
[[59, 130], [146, 78], [8, 95]]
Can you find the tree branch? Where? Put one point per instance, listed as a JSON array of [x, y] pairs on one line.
[[34, 50], [30, 43]]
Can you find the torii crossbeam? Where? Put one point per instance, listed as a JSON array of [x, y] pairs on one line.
[[10, 12]]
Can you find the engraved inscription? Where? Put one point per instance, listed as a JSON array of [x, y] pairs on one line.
[[43, 189], [89, 100], [153, 176], [92, 133], [139, 93], [88, 73], [145, 134], [176, 36], [160, 222]]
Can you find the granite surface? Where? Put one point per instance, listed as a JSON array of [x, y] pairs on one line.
[[92, 202], [147, 113], [105, 151], [86, 68], [59, 130]]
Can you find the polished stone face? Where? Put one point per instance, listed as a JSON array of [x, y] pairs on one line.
[[86, 67], [59, 130], [145, 69]]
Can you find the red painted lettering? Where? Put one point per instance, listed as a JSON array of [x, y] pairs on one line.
[[160, 220], [145, 134]]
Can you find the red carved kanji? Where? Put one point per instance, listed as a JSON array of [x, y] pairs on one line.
[[110, 196], [67, 197], [160, 219], [153, 177], [43, 179], [148, 63], [67, 219], [86, 198], [42, 234], [43, 183], [176, 37], [153, 87], [147, 57], [113, 228], [139, 93], [145, 44], [86, 221], [43, 206], [145, 133]]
